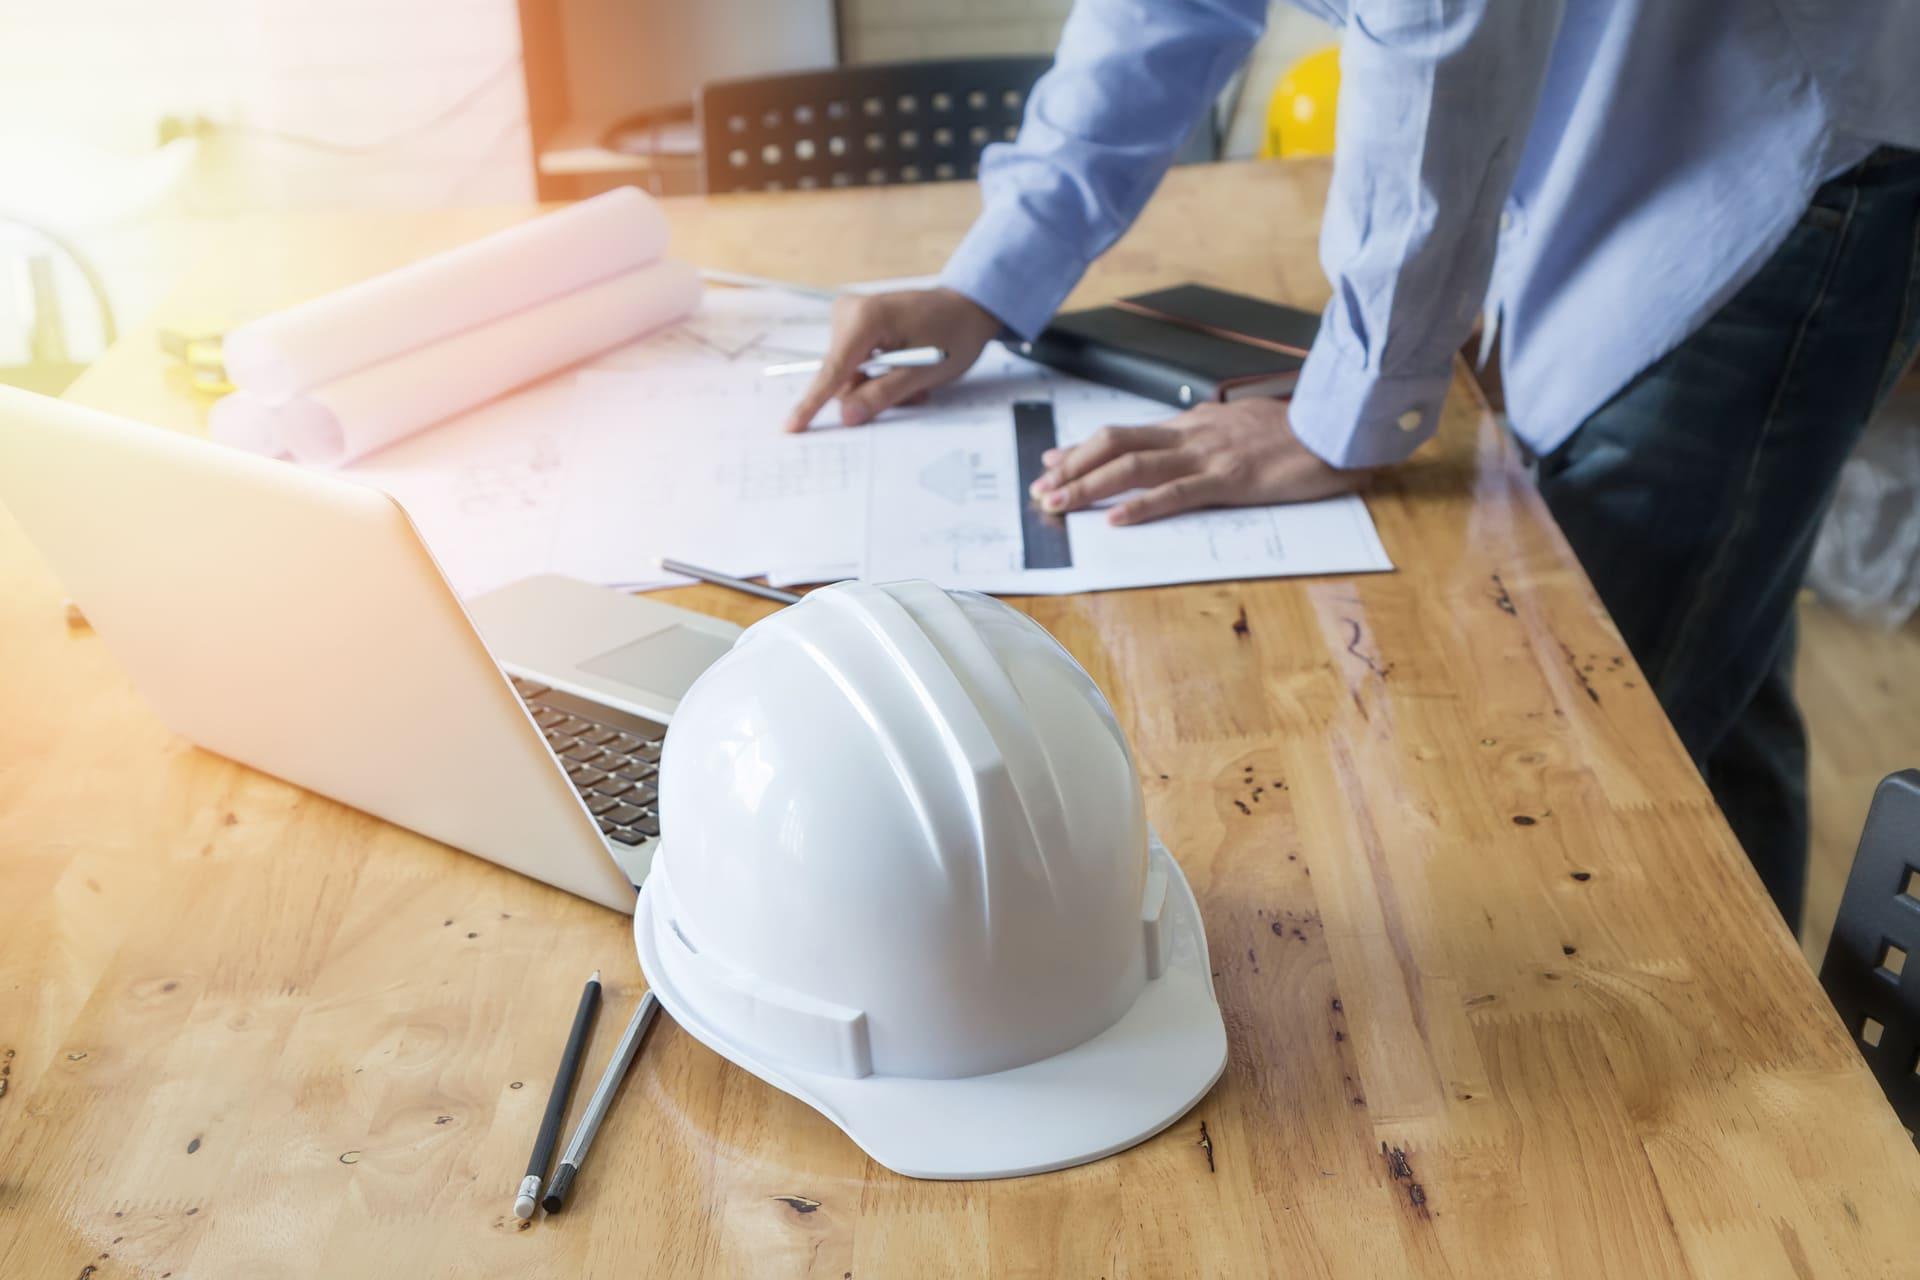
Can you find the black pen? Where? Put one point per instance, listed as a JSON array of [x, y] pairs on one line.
[[543, 1145]]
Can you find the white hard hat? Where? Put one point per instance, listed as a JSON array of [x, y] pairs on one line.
[[905, 875]]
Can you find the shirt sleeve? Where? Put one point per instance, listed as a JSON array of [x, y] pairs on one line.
[[1436, 99], [1130, 80]]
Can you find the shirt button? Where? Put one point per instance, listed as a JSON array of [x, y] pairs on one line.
[[1506, 220], [1410, 420]]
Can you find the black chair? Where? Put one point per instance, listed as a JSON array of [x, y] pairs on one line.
[[878, 125], [1872, 968]]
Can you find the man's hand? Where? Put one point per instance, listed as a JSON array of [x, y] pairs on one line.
[[1219, 455], [864, 324]]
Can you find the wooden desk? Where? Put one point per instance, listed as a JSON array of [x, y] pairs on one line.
[[1503, 996]]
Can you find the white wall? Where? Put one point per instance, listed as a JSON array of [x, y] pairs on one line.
[[315, 103], [401, 103], [348, 72]]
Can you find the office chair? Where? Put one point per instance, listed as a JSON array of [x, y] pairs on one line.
[[1872, 968], [877, 125]]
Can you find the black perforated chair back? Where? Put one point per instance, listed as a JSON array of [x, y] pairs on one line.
[[879, 125], [1872, 969]]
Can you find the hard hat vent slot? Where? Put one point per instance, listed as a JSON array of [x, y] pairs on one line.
[[813, 1034], [1155, 926]]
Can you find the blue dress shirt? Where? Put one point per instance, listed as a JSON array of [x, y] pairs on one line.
[[1598, 176]]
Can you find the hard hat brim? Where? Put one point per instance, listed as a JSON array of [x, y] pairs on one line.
[[1119, 1088]]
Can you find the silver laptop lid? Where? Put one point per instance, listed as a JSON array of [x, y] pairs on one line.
[[294, 622]]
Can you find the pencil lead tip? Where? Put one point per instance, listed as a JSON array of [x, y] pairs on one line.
[[595, 977]]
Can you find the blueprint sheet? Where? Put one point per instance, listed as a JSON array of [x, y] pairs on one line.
[[671, 447], [949, 492], [496, 491]]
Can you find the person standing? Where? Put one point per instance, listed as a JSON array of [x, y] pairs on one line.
[[1695, 226]]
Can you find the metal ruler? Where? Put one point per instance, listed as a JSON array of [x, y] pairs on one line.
[[1043, 536]]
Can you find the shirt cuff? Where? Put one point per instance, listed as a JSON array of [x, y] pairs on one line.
[[1352, 418], [1014, 266]]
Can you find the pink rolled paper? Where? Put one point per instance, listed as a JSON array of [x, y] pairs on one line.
[[279, 356], [333, 423], [245, 421]]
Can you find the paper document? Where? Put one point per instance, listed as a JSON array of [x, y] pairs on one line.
[[950, 501], [484, 488], [742, 330], [691, 463], [937, 491], [671, 447], [490, 489]]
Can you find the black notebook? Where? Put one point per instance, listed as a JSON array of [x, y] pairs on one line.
[[1185, 345]]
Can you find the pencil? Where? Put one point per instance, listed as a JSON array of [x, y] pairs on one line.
[[600, 1103], [557, 1100], [718, 579]]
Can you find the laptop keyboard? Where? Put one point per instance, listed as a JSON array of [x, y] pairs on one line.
[[613, 758]]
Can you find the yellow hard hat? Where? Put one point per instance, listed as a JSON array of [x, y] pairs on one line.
[[1300, 113]]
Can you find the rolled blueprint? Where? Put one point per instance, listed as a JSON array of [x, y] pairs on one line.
[[348, 417], [245, 421], [279, 356]]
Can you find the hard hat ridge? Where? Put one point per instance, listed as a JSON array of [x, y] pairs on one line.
[[995, 747]]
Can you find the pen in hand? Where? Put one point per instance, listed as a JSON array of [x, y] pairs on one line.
[[938, 318], [873, 366]]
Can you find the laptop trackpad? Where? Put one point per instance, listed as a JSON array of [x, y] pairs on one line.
[[664, 663]]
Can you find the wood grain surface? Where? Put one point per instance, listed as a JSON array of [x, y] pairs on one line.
[[1502, 994]]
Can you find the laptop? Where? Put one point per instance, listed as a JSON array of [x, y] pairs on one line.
[[294, 621]]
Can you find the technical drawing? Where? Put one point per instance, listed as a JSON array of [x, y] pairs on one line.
[[961, 476], [970, 547]]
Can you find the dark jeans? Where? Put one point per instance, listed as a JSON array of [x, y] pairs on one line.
[[1693, 496]]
